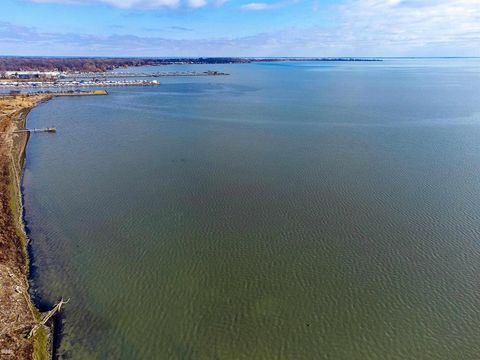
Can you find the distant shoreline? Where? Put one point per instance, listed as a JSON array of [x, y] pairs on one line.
[[99, 64]]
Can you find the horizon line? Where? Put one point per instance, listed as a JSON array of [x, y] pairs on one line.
[[235, 57]]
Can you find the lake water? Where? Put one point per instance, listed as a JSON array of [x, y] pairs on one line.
[[287, 211]]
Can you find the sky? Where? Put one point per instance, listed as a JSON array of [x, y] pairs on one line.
[[164, 28]]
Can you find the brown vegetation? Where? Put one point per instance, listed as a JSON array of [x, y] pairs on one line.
[[96, 64], [17, 314]]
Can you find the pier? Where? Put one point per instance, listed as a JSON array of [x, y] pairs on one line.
[[35, 130]]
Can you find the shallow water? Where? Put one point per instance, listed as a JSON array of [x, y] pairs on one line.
[[287, 211]]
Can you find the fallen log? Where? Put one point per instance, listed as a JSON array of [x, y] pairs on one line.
[[48, 316]]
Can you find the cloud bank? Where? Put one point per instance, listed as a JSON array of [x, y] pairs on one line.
[[363, 28]]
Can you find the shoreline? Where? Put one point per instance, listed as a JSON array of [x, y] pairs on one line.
[[22, 332]]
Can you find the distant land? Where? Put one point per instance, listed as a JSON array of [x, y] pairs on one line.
[[86, 64]]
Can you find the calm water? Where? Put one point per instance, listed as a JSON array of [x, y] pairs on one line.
[[287, 211]]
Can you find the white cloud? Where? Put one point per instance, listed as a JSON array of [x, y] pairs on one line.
[[407, 26], [385, 28], [259, 6], [255, 6], [197, 3]]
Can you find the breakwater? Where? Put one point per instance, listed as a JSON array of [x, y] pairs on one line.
[[123, 74]]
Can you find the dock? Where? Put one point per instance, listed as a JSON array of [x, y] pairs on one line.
[[75, 84], [35, 130]]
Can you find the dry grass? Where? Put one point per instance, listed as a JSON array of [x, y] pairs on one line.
[[16, 310]]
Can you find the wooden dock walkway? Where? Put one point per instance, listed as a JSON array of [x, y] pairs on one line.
[[49, 129]]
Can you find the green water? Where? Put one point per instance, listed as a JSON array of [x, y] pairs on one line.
[[287, 211]]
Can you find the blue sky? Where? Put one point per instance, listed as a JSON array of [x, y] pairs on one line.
[[240, 27]]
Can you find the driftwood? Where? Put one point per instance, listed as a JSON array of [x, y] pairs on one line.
[[48, 316]]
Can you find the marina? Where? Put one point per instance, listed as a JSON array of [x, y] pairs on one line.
[[75, 84]]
